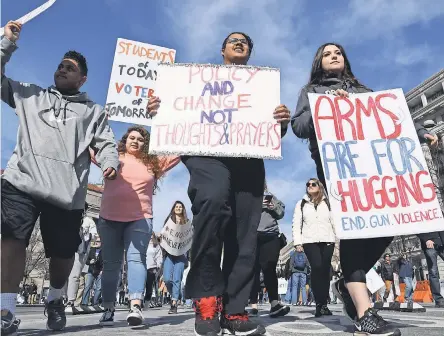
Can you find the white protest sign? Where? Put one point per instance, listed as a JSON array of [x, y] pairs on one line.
[[217, 110], [176, 239], [374, 281], [32, 14], [282, 286], [377, 178], [133, 79]]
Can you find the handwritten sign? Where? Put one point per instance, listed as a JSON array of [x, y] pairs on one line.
[[32, 14], [217, 110], [133, 79], [176, 239], [377, 178]]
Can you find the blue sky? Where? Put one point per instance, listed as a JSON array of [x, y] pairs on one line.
[[390, 44]]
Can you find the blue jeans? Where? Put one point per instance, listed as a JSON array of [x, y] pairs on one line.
[[173, 268], [288, 294], [408, 292], [431, 255], [298, 281], [117, 237], [95, 283]]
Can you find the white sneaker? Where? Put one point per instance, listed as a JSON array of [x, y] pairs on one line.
[[135, 316]]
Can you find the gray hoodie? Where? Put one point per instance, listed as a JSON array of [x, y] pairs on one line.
[[51, 160]]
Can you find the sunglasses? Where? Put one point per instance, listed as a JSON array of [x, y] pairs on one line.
[[234, 40], [311, 184]]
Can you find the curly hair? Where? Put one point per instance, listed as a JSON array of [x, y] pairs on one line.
[[152, 162]]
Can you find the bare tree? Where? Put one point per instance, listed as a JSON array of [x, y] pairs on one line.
[[36, 264]]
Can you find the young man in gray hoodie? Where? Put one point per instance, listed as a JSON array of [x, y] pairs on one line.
[[47, 175]]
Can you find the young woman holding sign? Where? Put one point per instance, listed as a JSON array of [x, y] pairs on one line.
[[126, 217], [173, 266], [331, 74], [226, 194]]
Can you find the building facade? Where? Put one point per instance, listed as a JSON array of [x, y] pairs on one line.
[[426, 102]]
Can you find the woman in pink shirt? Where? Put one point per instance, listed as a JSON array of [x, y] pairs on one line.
[[126, 220]]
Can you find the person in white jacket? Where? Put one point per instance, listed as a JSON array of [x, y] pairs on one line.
[[154, 260], [313, 229]]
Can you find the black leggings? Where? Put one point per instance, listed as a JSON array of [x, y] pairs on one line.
[[358, 256], [150, 282], [319, 255], [267, 256]]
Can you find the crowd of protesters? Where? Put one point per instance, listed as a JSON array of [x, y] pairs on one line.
[[119, 259]]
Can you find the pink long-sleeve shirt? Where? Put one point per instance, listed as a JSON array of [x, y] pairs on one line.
[[129, 197]]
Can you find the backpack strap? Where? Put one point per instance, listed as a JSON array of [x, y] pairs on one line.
[[303, 202]]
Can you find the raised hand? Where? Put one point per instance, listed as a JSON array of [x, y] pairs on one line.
[[12, 30]]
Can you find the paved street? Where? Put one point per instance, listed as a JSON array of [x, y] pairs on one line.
[[300, 321]]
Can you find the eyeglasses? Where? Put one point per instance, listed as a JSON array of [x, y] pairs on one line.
[[311, 184], [234, 40]]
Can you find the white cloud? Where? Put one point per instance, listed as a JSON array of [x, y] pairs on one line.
[[370, 20]]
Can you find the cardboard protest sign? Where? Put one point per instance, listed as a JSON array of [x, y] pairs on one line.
[[282, 286], [133, 79], [377, 178], [374, 281], [217, 110], [176, 239], [32, 14]]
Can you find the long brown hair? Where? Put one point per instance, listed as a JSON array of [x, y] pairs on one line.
[[172, 215], [150, 161], [319, 196], [318, 74]]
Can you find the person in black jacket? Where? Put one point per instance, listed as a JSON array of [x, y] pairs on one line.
[[432, 245], [387, 274], [331, 74], [93, 279], [267, 255]]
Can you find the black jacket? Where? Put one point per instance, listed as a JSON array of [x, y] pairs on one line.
[[302, 121], [421, 132], [96, 267], [387, 270]]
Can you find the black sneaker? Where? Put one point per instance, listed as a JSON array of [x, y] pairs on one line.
[[107, 318], [371, 324], [254, 312], [55, 311], [207, 316], [325, 311], [10, 324], [343, 295], [173, 309], [241, 325], [318, 312], [135, 316], [279, 310]]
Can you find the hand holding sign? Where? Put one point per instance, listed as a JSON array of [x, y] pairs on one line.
[[31, 15], [282, 115], [153, 105], [12, 30]]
